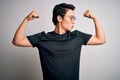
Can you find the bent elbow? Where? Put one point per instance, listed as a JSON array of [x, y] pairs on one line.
[[14, 42], [103, 42]]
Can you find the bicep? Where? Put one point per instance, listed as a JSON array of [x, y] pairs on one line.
[[94, 41], [23, 42]]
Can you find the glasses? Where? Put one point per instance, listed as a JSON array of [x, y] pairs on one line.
[[72, 18]]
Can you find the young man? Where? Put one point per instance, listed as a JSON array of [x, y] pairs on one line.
[[60, 49]]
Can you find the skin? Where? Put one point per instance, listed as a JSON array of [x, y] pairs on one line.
[[64, 24], [99, 37]]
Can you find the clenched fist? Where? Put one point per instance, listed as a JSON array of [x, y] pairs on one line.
[[32, 15], [89, 14]]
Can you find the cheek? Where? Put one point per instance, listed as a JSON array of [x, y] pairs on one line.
[[67, 24]]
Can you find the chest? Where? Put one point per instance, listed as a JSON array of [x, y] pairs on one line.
[[60, 47]]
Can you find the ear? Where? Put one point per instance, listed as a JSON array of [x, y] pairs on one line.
[[59, 18]]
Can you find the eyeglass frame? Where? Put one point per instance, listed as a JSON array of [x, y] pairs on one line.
[[73, 18]]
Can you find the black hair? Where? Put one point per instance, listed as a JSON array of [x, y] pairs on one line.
[[60, 10]]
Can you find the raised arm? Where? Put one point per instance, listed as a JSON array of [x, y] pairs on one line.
[[20, 38], [99, 37]]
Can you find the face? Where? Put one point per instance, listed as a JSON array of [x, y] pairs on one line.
[[68, 21]]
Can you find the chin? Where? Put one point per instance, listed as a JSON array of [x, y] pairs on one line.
[[69, 30]]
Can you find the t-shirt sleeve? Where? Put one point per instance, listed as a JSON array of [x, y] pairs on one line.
[[84, 37], [34, 39]]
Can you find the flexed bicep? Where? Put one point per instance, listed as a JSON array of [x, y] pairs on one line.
[[20, 38]]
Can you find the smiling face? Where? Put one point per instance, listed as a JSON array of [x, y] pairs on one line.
[[67, 23]]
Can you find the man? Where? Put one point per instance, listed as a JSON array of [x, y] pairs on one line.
[[60, 49]]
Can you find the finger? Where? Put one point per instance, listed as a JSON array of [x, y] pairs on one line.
[[86, 15], [36, 15], [33, 16]]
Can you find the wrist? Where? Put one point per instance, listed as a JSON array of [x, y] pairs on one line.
[[94, 18], [26, 19]]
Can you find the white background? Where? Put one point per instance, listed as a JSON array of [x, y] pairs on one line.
[[97, 62]]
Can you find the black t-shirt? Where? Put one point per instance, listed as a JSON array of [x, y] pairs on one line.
[[59, 54]]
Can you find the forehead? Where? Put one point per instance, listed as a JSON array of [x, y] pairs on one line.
[[70, 12]]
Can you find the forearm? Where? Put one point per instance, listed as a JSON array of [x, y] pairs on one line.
[[20, 38], [20, 33], [99, 37], [99, 30]]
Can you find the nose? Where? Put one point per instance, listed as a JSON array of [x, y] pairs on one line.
[[73, 21]]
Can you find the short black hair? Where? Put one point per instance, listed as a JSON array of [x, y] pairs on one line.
[[60, 10]]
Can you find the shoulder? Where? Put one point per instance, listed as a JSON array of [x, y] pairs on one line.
[[39, 34], [77, 32], [81, 35], [36, 35]]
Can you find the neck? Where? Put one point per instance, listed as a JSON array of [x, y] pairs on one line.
[[59, 30]]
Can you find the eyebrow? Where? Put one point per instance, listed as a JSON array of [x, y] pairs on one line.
[[71, 16]]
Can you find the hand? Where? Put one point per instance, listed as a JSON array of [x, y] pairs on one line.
[[89, 14], [32, 15]]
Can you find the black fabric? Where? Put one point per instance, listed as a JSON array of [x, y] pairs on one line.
[[59, 54]]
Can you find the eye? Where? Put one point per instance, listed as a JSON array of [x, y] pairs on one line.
[[73, 18]]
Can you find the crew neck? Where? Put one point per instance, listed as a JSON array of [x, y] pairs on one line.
[[60, 34]]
